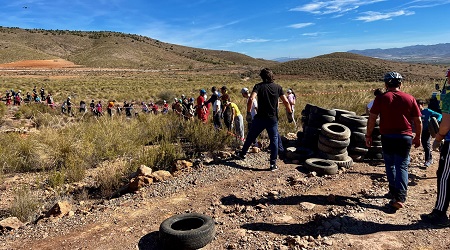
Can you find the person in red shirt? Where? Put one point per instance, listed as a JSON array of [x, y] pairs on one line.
[[396, 110], [201, 109]]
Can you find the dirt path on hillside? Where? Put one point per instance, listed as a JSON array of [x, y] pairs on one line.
[[259, 209]]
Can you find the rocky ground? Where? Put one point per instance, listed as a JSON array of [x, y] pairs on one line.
[[253, 208]]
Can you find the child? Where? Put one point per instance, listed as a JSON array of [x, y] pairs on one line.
[[426, 137]]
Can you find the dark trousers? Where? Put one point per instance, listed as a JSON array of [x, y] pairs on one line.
[[258, 125], [426, 143], [443, 179], [216, 120]]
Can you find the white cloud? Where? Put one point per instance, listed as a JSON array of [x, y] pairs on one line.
[[300, 25], [372, 16], [250, 40], [335, 6]]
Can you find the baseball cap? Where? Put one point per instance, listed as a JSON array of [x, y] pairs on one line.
[[244, 90]]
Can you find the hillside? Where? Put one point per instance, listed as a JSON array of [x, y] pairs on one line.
[[348, 66], [437, 53], [112, 50]]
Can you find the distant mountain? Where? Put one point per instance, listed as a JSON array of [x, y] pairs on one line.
[[284, 59], [438, 53]]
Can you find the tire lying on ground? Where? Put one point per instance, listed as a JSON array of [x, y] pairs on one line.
[[186, 231], [321, 166], [334, 143], [347, 162]]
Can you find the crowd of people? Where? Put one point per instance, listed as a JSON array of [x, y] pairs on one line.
[[403, 122]]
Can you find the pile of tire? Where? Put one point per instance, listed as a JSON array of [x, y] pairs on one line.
[[358, 127], [334, 138], [312, 126], [375, 152]]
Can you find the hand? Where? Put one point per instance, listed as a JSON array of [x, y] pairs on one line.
[[416, 142], [436, 145], [368, 141], [290, 117], [248, 118]]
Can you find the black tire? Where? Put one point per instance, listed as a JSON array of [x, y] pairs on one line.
[[433, 126], [308, 108], [353, 120], [358, 129], [376, 149], [376, 143], [339, 112], [322, 111], [186, 231], [321, 166], [311, 133], [335, 131], [317, 120], [358, 137], [330, 150], [346, 163], [334, 143], [334, 157], [358, 150]]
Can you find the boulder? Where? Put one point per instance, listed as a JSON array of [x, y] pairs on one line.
[[59, 209], [10, 223], [161, 175], [142, 171], [182, 164]]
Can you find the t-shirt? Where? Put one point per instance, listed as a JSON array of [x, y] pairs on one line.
[[396, 110], [236, 108], [268, 95]]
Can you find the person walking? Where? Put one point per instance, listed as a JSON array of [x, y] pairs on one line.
[[214, 99], [201, 108], [396, 110], [226, 111], [291, 98], [426, 136], [254, 109], [439, 214], [369, 105], [268, 93]]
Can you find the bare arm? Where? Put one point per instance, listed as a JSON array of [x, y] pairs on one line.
[[250, 102], [370, 126], [418, 130], [286, 103], [444, 127]]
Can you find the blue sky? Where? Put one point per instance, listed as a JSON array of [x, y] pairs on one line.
[[261, 29]]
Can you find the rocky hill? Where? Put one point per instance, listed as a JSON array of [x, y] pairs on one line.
[[112, 50], [349, 66]]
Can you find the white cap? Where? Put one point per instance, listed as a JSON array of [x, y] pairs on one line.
[[244, 90]]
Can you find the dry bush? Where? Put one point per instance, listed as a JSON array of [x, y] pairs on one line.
[[25, 205], [111, 176], [160, 157], [205, 138], [19, 154]]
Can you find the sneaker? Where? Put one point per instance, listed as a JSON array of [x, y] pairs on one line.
[[436, 218], [273, 167], [238, 155], [427, 163], [396, 204]]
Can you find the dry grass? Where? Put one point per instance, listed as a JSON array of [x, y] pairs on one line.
[[25, 205]]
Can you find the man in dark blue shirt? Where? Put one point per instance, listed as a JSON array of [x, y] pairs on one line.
[[268, 94]]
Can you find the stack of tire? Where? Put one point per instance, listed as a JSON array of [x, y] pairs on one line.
[[375, 152], [317, 116], [358, 127], [333, 141]]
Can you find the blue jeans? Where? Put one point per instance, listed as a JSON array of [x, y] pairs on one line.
[[258, 125], [396, 149]]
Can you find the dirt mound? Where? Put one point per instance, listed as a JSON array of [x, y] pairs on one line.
[[45, 64]]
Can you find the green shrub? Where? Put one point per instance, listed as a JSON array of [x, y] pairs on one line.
[[205, 138], [160, 157], [25, 205], [56, 179], [21, 153]]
